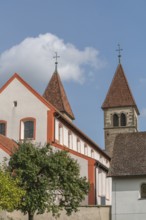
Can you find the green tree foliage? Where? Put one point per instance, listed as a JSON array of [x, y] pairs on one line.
[[10, 192], [51, 179]]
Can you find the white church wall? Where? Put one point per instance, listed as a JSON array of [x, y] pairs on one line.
[[28, 105], [83, 171], [78, 144], [103, 186], [3, 155], [126, 201]]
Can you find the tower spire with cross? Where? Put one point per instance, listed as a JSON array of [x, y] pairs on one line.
[[119, 50], [56, 62]]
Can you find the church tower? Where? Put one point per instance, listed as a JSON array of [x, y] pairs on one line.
[[56, 95], [120, 110]]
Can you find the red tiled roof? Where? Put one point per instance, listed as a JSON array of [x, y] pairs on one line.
[[129, 155], [55, 94], [119, 93], [7, 144]]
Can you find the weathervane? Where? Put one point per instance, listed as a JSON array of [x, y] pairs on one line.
[[119, 50], [56, 62]]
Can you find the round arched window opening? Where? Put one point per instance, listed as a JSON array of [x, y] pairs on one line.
[[123, 119], [115, 120]]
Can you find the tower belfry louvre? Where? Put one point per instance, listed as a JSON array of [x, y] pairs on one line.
[[120, 110]]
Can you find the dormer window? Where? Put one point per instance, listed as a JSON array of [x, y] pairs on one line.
[[123, 119], [115, 120]]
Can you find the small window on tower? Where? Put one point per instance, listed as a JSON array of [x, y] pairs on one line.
[[115, 120], [123, 119]]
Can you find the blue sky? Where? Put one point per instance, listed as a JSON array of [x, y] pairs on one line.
[[85, 33]]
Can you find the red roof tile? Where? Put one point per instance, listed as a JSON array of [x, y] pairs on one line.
[[129, 155], [119, 93], [55, 94], [8, 145]]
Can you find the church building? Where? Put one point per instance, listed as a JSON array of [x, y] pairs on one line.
[[127, 148], [48, 118], [120, 110]]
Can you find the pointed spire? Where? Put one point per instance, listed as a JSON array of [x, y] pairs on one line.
[[119, 55], [119, 93], [55, 94], [56, 62]]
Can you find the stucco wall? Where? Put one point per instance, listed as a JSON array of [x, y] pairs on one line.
[[111, 132], [85, 213], [27, 106], [126, 202]]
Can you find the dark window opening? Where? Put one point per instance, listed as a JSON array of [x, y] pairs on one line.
[[123, 119], [3, 128], [115, 120], [143, 191], [28, 129]]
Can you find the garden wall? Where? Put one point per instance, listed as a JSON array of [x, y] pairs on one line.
[[85, 213]]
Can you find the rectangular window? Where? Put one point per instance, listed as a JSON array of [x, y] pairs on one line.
[[3, 128], [60, 133], [28, 128], [85, 149], [69, 139], [78, 145]]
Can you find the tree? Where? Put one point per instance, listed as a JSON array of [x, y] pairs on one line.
[[10, 192], [51, 179]]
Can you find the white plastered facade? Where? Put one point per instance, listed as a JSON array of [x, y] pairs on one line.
[[28, 106]]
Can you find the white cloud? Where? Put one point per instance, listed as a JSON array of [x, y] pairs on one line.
[[33, 60]]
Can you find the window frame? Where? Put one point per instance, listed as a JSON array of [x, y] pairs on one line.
[[78, 145], [115, 120], [69, 139], [141, 195], [22, 129], [60, 133], [123, 120]]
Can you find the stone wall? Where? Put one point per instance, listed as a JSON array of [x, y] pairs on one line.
[[110, 131], [85, 213]]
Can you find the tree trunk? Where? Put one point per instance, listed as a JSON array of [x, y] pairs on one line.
[[30, 216]]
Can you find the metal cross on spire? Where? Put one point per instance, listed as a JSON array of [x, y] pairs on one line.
[[119, 50], [56, 62]]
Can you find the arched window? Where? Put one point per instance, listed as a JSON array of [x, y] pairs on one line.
[[28, 129], [143, 191], [115, 120], [123, 119], [78, 145]]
